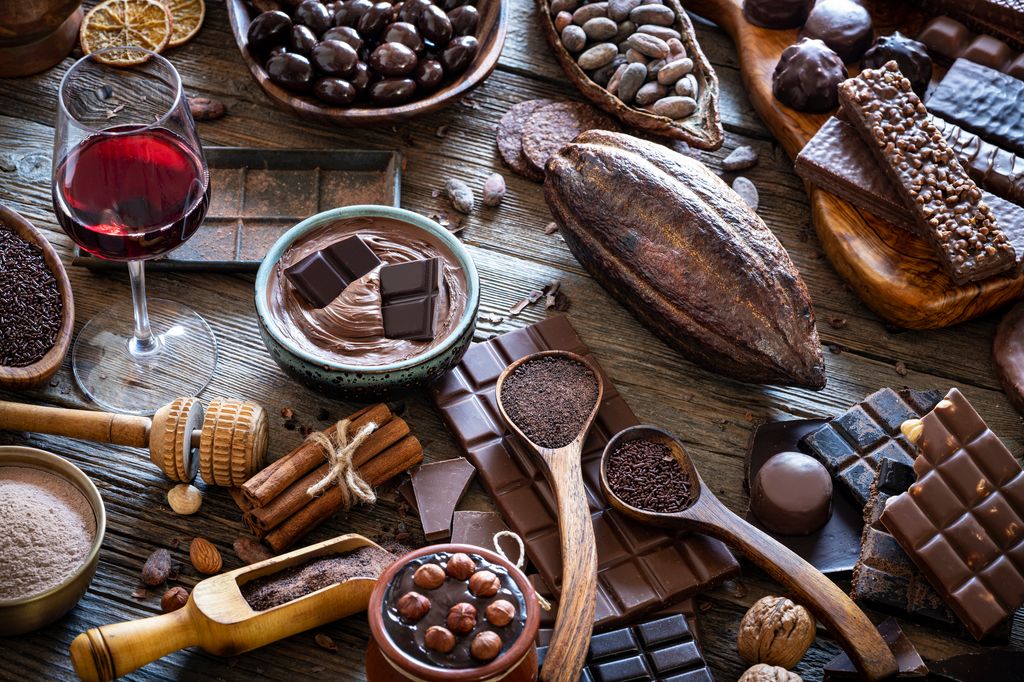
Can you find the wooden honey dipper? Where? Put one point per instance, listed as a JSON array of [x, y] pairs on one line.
[[231, 435]]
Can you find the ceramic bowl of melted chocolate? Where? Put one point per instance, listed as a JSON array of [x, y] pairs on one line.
[[365, 301], [452, 612]]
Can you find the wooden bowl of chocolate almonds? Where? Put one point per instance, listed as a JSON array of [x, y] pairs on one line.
[[366, 62]]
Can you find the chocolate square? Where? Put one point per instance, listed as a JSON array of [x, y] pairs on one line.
[[408, 294], [322, 275]]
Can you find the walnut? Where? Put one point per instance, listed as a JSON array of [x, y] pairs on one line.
[[769, 673], [775, 631]]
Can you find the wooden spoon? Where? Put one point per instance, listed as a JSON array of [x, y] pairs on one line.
[[575, 619], [706, 514]]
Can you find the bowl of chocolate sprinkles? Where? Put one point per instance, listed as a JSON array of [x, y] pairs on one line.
[[641, 469], [37, 311]]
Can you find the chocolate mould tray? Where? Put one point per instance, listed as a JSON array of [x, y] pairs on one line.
[[257, 194]]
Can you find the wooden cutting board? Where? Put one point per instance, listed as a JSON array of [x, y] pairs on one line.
[[892, 270]]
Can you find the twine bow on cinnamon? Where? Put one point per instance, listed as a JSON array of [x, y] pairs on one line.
[[341, 472]]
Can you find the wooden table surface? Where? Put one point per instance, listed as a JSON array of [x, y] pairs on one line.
[[514, 255]]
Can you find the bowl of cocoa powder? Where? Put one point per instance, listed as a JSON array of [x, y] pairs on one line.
[[53, 524]]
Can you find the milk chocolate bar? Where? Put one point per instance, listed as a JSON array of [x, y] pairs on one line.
[[909, 662], [408, 293], [1003, 18], [884, 575], [322, 275], [664, 649], [949, 40], [984, 101], [945, 203], [962, 522], [640, 568], [851, 445]]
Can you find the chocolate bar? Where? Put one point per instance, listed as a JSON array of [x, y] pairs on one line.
[[994, 665], [322, 275], [884, 575], [909, 662], [961, 522], [950, 40], [838, 161], [640, 568], [945, 203], [408, 293], [1004, 18], [852, 444], [664, 649], [479, 528], [438, 487], [984, 101]]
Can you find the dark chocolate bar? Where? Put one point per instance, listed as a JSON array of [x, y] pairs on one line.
[[994, 665], [909, 661], [640, 568], [852, 444], [946, 205], [997, 170], [885, 576], [961, 522], [985, 101], [321, 276], [408, 293], [664, 649]]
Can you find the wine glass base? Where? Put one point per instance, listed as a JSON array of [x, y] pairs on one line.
[[180, 366]]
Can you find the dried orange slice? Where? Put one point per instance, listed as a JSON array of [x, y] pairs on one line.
[[135, 23], [186, 19]]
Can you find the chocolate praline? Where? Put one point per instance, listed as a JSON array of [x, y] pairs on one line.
[[911, 56], [808, 75], [792, 494], [844, 25], [777, 14]]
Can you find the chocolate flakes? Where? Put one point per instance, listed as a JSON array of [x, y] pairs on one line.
[[30, 302], [645, 475]]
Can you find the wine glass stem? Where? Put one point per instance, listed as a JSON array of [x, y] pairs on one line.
[[142, 342]]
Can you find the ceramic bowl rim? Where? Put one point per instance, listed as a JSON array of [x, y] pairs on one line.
[[363, 211]]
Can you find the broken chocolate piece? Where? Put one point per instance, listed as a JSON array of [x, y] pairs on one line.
[[408, 294], [479, 528], [321, 276], [439, 486], [909, 662]]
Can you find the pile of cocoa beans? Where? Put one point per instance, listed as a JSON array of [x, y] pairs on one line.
[[632, 49]]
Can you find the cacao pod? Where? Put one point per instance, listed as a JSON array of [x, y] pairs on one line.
[[680, 249]]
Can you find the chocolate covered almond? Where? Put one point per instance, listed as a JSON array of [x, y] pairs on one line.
[[679, 248]]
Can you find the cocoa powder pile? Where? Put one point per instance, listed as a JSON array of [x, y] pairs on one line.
[[645, 475], [30, 302], [298, 581], [549, 399]]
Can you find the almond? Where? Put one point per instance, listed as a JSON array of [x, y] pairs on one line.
[[205, 557]]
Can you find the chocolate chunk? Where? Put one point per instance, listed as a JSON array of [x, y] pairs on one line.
[[439, 486], [909, 662], [911, 56], [844, 25], [1008, 355], [321, 276], [640, 569], [988, 51], [777, 14], [408, 294], [962, 521], [807, 76], [984, 101], [852, 444], [792, 494], [946, 204]]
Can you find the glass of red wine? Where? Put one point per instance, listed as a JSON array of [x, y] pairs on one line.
[[130, 184]]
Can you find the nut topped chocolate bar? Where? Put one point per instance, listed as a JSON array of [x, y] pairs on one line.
[[945, 203], [962, 521]]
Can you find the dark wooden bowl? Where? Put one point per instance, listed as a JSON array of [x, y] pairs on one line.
[[40, 371], [703, 129], [491, 34]]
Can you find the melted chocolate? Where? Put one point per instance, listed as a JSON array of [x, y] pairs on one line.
[[349, 330]]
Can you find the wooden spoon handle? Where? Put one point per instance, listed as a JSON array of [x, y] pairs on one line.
[[829, 604], [575, 619], [110, 651], [99, 427]]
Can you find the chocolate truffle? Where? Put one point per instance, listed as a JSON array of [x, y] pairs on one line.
[[844, 25], [911, 56], [777, 13], [792, 494], [808, 75]]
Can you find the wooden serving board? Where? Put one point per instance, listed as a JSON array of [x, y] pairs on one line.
[[892, 270]]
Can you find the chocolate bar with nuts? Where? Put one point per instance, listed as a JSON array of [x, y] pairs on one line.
[[985, 101], [945, 203]]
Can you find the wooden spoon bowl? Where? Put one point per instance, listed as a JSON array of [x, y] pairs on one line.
[[493, 28], [706, 514], [39, 372]]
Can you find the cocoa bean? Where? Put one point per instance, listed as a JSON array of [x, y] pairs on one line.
[[618, 10], [613, 82], [588, 12], [635, 57], [649, 93], [664, 32], [632, 79], [675, 107], [157, 568], [648, 45], [652, 14], [741, 158], [206, 108], [684, 88], [597, 56], [625, 30], [604, 74], [674, 70], [562, 19], [654, 67], [600, 28], [676, 48], [460, 195], [573, 38], [494, 190], [558, 6], [758, 326], [747, 191]]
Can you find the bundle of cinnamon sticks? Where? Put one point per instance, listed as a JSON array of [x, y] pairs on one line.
[[278, 508]]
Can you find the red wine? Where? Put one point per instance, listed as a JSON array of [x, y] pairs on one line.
[[124, 195]]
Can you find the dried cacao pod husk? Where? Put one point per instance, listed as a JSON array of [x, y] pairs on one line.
[[680, 249]]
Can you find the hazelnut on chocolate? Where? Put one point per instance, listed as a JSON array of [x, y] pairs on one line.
[[484, 584], [461, 618], [412, 606], [439, 639], [460, 566], [486, 645], [428, 577], [500, 612]]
